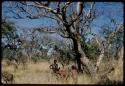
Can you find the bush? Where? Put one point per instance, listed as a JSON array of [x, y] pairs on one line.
[[35, 59], [92, 51]]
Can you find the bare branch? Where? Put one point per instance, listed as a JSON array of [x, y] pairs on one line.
[[79, 8], [58, 8], [61, 30], [64, 36], [63, 10], [89, 18], [44, 29], [45, 7], [113, 34], [90, 10], [43, 3]]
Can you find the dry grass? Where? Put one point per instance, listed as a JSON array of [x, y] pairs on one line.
[[39, 73]]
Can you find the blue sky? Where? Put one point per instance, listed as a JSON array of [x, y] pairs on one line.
[[117, 13]]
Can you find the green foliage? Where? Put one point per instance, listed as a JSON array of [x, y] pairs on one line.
[[7, 27], [5, 53], [117, 40], [84, 44], [65, 54], [91, 49], [9, 47], [35, 59], [9, 30]]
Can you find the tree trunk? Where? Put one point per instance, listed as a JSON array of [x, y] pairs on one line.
[[77, 46], [81, 59], [99, 60]]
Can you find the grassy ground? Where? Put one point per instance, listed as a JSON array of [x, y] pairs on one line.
[[39, 73]]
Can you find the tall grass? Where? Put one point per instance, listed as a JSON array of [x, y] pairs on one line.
[[39, 73]]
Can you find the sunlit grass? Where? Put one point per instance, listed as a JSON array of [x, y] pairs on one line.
[[39, 73]]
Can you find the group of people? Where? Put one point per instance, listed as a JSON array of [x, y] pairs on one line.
[[65, 72]]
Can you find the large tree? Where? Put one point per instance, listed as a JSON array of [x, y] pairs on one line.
[[73, 18]]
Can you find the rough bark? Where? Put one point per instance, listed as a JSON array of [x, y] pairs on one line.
[[81, 58], [77, 52], [99, 60]]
